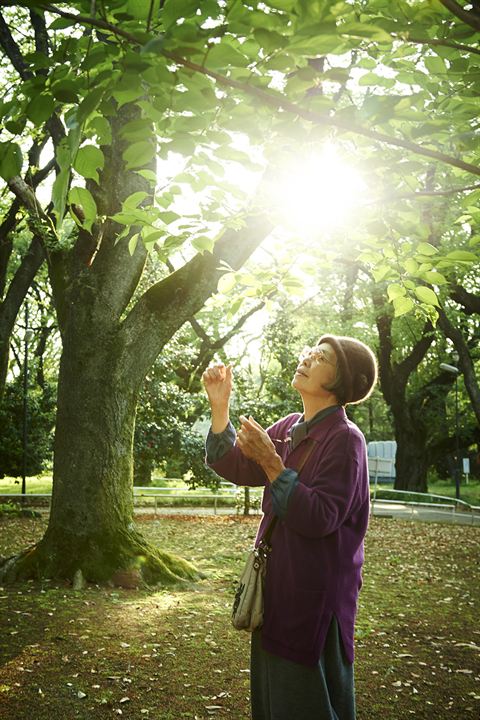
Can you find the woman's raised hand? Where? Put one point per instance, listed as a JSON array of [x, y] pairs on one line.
[[218, 384]]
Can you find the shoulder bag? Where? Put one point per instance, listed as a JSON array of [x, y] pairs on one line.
[[247, 611]]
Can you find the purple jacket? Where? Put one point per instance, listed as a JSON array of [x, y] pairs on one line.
[[314, 569]]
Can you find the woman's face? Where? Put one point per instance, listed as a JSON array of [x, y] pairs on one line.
[[317, 368]]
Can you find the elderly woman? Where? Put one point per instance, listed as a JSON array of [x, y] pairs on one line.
[[302, 656]]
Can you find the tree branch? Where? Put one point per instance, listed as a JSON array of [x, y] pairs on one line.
[[168, 304], [278, 102], [443, 43], [470, 301], [470, 17], [420, 194], [6, 244], [54, 124], [12, 51], [465, 360], [209, 345], [41, 33], [41, 226], [410, 363], [383, 322], [14, 298]]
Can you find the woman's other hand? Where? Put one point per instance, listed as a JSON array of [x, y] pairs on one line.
[[255, 444]]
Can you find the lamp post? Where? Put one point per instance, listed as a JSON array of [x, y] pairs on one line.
[[455, 371]]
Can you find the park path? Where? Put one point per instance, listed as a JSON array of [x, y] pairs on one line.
[[381, 509]]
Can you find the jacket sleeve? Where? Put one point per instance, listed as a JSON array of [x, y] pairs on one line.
[[239, 470], [324, 501], [217, 444]]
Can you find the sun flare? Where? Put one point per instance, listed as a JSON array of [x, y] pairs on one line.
[[318, 192]]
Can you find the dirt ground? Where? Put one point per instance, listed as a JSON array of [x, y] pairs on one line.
[[108, 652]]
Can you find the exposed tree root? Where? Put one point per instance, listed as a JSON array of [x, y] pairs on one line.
[[125, 559]]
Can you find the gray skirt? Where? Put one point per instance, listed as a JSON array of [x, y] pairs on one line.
[[284, 690]]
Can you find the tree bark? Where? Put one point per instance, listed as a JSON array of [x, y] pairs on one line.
[[91, 520], [411, 464], [14, 298], [410, 431], [465, 360]]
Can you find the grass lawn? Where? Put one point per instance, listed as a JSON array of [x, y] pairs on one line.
[[33, 485], [43, 484], [108, 652]]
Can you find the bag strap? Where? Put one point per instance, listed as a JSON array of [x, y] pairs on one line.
[[271, 525]]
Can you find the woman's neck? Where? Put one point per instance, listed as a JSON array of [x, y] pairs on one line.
[[313, 405]]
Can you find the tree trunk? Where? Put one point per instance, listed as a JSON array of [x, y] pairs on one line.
[[246, 501], [91, 521], [411, 462]]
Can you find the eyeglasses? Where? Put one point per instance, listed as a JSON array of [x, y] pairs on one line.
[[315, 354]]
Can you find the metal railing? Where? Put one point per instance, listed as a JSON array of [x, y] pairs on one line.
[[451, 507], [226, 491]]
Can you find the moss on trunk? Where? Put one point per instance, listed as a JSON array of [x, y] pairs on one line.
[[124, 559]]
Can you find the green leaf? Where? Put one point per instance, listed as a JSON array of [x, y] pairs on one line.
[[411, 266], [132, 243], [175, 9], [402, 305], [435, 64], [224, 56], [269, 39], [150, 237], [126, 218], [236, 305], [88, 160], [462, 256], [203, 243], [40, 108], [139, 9], [435, 278], [425, 248], [89, 104], [281, 4], [155, 45], [61, 24], [365, 31], [376, 80], [148, 175], [316, 45], [65, 151], [65, 91], [134, 200], [380, 272], [139, 154], [226, 283], [11, 160], [426, 295], [395, 290], [168, 216], [81, 196]]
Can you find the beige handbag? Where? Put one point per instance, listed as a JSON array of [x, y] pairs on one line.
[[247, 611]]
